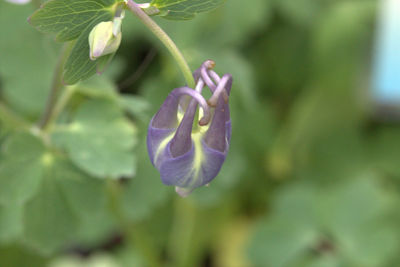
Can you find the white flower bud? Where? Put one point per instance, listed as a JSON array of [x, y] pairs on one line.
[[104, 39]]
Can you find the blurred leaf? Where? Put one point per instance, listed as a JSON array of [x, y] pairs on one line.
[[280, 242], [348, 220], [65, 199], [100, 140], [284, 238], [98, 87], [384, 151], [10, 223], [23, 161], [302, 11], [224, 28], [356, 214], [19, 58], [136, 106], [184, 9], [17, 256]]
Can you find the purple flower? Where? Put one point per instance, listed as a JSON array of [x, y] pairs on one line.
[[187, 154]]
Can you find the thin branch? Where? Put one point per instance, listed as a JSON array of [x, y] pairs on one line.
[[56, 86]]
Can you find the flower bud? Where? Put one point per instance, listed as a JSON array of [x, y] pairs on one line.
[[188, 157], [105, 39]]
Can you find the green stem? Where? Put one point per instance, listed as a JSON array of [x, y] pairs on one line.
[[182, 233], [59, 106], [56, 86], [8, 117], [165, 39]]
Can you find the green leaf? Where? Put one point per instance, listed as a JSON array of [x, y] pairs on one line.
[[71, 20], [136, 106], [98, 87], [10, 223], [351, 219], [100, 140], [25, 95], [279, 242], [68, 19], [66, 199], [23, 160], [184, 9], [47, 197]]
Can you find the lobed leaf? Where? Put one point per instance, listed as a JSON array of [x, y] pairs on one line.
[[65, 199], [100, 140], [21, 168]]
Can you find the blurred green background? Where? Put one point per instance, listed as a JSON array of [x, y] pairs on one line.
[[312, 177]]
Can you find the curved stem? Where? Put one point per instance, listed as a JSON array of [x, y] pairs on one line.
[[165, 39]]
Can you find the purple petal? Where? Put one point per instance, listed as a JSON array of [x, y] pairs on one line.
[[155, 136], [197, 167], [216, 134], [182, 141]]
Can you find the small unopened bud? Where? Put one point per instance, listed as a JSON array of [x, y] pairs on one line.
[[104, 39]]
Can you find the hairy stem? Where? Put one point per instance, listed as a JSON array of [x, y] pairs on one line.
[[165, 39], [56, 86]]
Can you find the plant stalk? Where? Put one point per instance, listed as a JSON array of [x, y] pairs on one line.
[[165, 39], [56, 86]]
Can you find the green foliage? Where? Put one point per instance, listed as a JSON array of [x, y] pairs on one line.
[[19, 184], [311, 178], [98, 136], [74, 20], [19, 61], [184, 9], [65, 199], [339, 222]]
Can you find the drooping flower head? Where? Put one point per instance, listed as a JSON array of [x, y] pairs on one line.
[[188, 153]]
